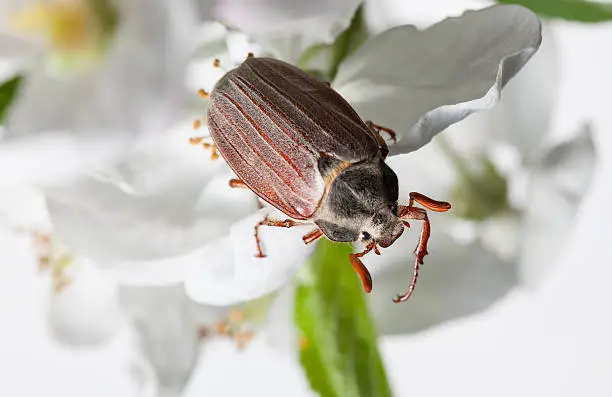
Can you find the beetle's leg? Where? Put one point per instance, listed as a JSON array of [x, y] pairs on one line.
[[407, 212], [237, 183], [312, 236], [270, 222], [379, 128], [360, 269], [429, 203], [381, 142]]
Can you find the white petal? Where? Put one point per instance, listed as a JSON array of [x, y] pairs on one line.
[[287, 28], [420, 82], [109, 369], [556, 189], [168, 332], [86, 311], [224, 371], [385, 14], [523, 117], [451, 270], [56, 157], [136, 88], [229, 272], [165, 199]]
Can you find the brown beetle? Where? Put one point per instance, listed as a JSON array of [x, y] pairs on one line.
[[301, 147]]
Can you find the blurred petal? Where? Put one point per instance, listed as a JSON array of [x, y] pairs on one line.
[[225, 371], [451, 270], [523, 120], [30, 351], [287, 28], [441, 75], [168, 332], [556, 189], [229, 272], [55, 157], [385, 14], [136, 88], [12, 47], [165, 199], [86, 311]]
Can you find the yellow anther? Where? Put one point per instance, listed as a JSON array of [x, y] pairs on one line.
[[236, 316], [196, 140], [197, 124], [203, 94]]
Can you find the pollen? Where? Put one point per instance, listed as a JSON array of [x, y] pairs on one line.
[[203, 94], [196, 124], [217, 63], [234, 327]]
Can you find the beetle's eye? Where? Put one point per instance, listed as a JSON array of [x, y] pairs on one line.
[[394, 208], [365, 236]]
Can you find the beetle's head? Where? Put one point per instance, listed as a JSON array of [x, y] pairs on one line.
[[384, 227]]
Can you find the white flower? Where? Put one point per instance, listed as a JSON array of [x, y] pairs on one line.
[[95, 80]]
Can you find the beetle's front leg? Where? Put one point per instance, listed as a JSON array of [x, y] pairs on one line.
[[270, 222], [429, 203], [360, 269], [405, 213]]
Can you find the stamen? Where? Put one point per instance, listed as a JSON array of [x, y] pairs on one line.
[[203, 93], [250, 55], [217, 63], [235, 328], [195, 140], [197, 124]]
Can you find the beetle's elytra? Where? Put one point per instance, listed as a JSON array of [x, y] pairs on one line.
[[301, 147]]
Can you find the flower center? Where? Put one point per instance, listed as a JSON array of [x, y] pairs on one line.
[[70, 27], [481, 191]]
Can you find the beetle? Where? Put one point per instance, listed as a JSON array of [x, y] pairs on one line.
[[299, 145]]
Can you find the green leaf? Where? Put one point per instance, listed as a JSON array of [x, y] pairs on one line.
[[325, 59], [339, 351], [348, 41], [8, 90], [571, 10]]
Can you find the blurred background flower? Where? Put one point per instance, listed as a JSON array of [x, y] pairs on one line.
[[129, 267]]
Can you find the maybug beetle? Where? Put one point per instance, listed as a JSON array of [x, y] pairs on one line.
[[301, 147]]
